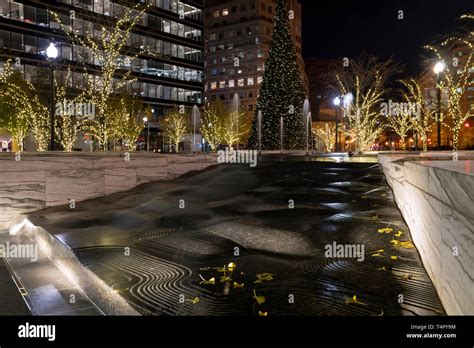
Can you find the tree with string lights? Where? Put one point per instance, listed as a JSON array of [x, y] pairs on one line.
[[213, 124], [113, 56], [234, 127], [129, 113], [282, 91], [27, 112], [413, 93], [326, 132], [365, 80], [454, 80], [69, 121], [401, 123], [175, 125]]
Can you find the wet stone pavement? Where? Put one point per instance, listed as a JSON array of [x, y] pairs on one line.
[[235, 240]]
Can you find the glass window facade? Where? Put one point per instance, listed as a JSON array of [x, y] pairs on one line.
[[169, 70]]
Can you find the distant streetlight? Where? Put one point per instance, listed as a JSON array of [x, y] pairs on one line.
[[145, 120], [336, 102], [348, 99], [52, 54], [438, 69]]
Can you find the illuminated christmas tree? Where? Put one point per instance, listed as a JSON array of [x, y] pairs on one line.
[[282, 91]]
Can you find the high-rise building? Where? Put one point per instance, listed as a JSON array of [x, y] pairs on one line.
[[237, 42], [171, 29]]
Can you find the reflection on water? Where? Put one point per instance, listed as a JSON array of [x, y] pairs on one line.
[[345, 159]]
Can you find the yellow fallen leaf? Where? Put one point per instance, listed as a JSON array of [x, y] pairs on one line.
[[376, 255], [237, 285], [393, 257], [264, 277], [262, 314], [382, 269], [221, 269], [385, 230], [225, 278], [379, 315], [407, 245], [379, 251], [194, 301], [260, 299], [211, 281], [398, 234], [354, 300], [231, 266]]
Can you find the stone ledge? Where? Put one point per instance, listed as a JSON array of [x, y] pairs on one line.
[[42, 180], [436, 198]]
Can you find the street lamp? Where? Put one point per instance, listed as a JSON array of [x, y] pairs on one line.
[[52, 54], [438, 69], [145, 119], [337, 102]]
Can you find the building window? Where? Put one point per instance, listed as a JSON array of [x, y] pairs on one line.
[[263, 7], [212, 37], [222, 84], [250, 108], [216, 13], [225, 12], [213, 85], [250, 94], [250, 81], [259, 79], [231, 83], [240, 82]]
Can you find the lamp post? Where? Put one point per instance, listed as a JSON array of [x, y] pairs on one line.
[[52, 54], [337, 102], [145, 119], [438, 69]]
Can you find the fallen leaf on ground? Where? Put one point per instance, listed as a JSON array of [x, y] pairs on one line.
[[225, 278], [211, 281], [407, 245], [195, 300], [262, 314], [260, 299], [354, 300], [263, 277]]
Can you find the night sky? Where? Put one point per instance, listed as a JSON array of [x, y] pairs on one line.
[[345, 28]]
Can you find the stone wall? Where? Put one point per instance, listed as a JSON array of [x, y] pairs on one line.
[[50, 179], [436, 198]]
